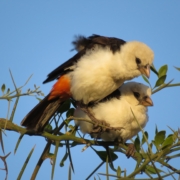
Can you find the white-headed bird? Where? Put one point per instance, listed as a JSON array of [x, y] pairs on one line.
[[101, 66], [125, 111]]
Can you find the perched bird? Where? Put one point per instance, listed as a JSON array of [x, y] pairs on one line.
[[101, 66], [121, 111]]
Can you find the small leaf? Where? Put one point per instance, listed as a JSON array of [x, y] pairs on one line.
[[39, 99], [159, 138], [151, 145], [143, 139], [74, 144], [70, 112], [177, 68], [64, 107], [63, 160], [103, 155], [146, 80], [154, 69], [151, 169], [137, 144], [168, 141], [3, 87], [8, 90], [160, 81], [156, 130], [42, 94], [49, 155], [48, 128], [163, 71], [118, 171]]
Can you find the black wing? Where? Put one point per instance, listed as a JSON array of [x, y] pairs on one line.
[[63, 68], [81, 44], [116, 94]]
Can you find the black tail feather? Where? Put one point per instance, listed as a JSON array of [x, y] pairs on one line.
[[40, 115]]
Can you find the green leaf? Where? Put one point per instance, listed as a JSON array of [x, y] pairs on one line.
[[177, 68], [63, 159], [70, 112], [160, 81], [103, 155], [159, 138], [156, 130], [74, 144], [151, 169], [146, 80], [48, 128], [3, 87], [168, 141], [162, 71], [118, 171], [154, 69], [151, 145], [49, 155], [39, 99], [137, 144], [65, 106], [8, 90], [143, 139]]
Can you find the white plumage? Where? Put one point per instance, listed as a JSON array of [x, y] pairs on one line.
[[100, 71], [117, 112]]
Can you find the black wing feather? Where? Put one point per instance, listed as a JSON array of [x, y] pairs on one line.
[[81, 44], [63, 68]]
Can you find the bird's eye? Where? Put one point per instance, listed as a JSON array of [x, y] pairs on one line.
[[138, 61], [136, 94]]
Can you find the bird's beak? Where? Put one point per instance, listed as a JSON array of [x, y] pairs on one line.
[[147, 101], [145, 70]]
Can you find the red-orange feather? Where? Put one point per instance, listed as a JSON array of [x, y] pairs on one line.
[[40, 115], [61, 89]]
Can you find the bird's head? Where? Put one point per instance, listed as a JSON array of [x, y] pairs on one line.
[[138, 58], [137, 94]]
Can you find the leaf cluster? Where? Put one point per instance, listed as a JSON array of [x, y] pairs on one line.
[[61, 133]]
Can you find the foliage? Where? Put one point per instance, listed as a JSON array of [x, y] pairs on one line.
[[160, 150]]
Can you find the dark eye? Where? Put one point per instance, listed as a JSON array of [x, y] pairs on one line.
[[136, 94], [138, 61]]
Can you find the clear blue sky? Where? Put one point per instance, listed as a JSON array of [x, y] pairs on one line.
[[35, 37]]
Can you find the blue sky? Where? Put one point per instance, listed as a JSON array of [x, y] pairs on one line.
[[35, 37]]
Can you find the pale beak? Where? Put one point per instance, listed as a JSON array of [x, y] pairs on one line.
[[147, 101], [145, 70]]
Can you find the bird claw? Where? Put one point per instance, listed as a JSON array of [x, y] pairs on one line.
[[130, 151], [99, 126]]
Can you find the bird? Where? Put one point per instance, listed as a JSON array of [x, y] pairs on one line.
[[125, 111], [100, 66]]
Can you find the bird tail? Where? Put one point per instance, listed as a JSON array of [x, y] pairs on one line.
[[40, 115]]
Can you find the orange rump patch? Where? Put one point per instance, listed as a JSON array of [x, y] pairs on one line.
[[61, 89]]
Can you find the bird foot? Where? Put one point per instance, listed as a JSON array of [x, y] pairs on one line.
[[99, 126], [131, 150]]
